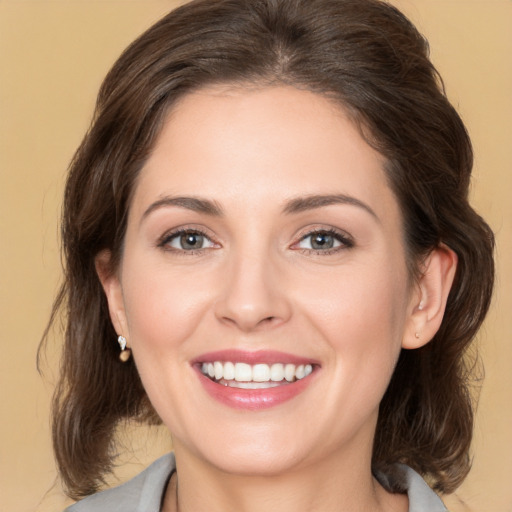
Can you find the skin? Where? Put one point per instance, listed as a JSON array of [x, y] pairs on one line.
[[256, 284]]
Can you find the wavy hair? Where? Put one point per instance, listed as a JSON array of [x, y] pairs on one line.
[[368, 57]]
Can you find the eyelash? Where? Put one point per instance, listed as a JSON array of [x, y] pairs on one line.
[[168, 237], [346, 242]]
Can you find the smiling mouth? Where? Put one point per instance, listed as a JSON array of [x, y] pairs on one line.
[[257, 376]]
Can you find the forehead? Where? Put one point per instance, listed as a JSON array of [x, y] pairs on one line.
[[259, 145]]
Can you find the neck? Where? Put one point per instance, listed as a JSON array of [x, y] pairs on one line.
[[337, 484]]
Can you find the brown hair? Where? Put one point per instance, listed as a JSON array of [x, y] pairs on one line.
[[368, 57]]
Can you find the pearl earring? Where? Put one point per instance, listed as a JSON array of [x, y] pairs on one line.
[[125, 352]]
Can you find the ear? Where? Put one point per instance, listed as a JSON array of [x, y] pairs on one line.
[[428, 301], [114, 292]]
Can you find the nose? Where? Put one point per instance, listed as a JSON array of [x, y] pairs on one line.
[[253, 295]]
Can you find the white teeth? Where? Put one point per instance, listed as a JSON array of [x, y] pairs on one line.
[[289, 372], [229, 371], [260, 373], [234, 373], [243, 372], [277, 372], [219, 370], [252, 385]]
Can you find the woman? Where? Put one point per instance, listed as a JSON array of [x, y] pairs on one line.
[[268, 224]]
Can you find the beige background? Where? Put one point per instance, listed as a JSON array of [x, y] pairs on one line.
[[53, 55]]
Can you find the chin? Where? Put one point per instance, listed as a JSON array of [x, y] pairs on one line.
[[255, 452], [257, 464]]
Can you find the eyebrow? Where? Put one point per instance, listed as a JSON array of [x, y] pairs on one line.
[[301, 204], [292, 206], [195, 204]]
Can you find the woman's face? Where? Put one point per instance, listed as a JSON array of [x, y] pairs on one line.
[[264, 244]]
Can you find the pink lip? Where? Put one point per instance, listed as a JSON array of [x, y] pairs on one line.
[[253, 399], [253, 357]]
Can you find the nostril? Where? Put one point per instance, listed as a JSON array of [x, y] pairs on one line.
[[248, 324], [251, 307], [269, 320]]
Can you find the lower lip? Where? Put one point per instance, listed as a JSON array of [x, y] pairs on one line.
[[254, 399]]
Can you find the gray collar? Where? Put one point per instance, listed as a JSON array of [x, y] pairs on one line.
[[145, 492]]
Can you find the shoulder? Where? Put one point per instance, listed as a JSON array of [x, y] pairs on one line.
[[142, 493]]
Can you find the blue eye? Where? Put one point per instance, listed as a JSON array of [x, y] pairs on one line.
[[324, 241], [187, 240]]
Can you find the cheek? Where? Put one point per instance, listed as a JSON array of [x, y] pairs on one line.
[[365, 304], [362, 316], [163, 305]]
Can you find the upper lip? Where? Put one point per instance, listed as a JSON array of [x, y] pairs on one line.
[[253, 357]]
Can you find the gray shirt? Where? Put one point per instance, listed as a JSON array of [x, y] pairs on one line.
[[145, 492]]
